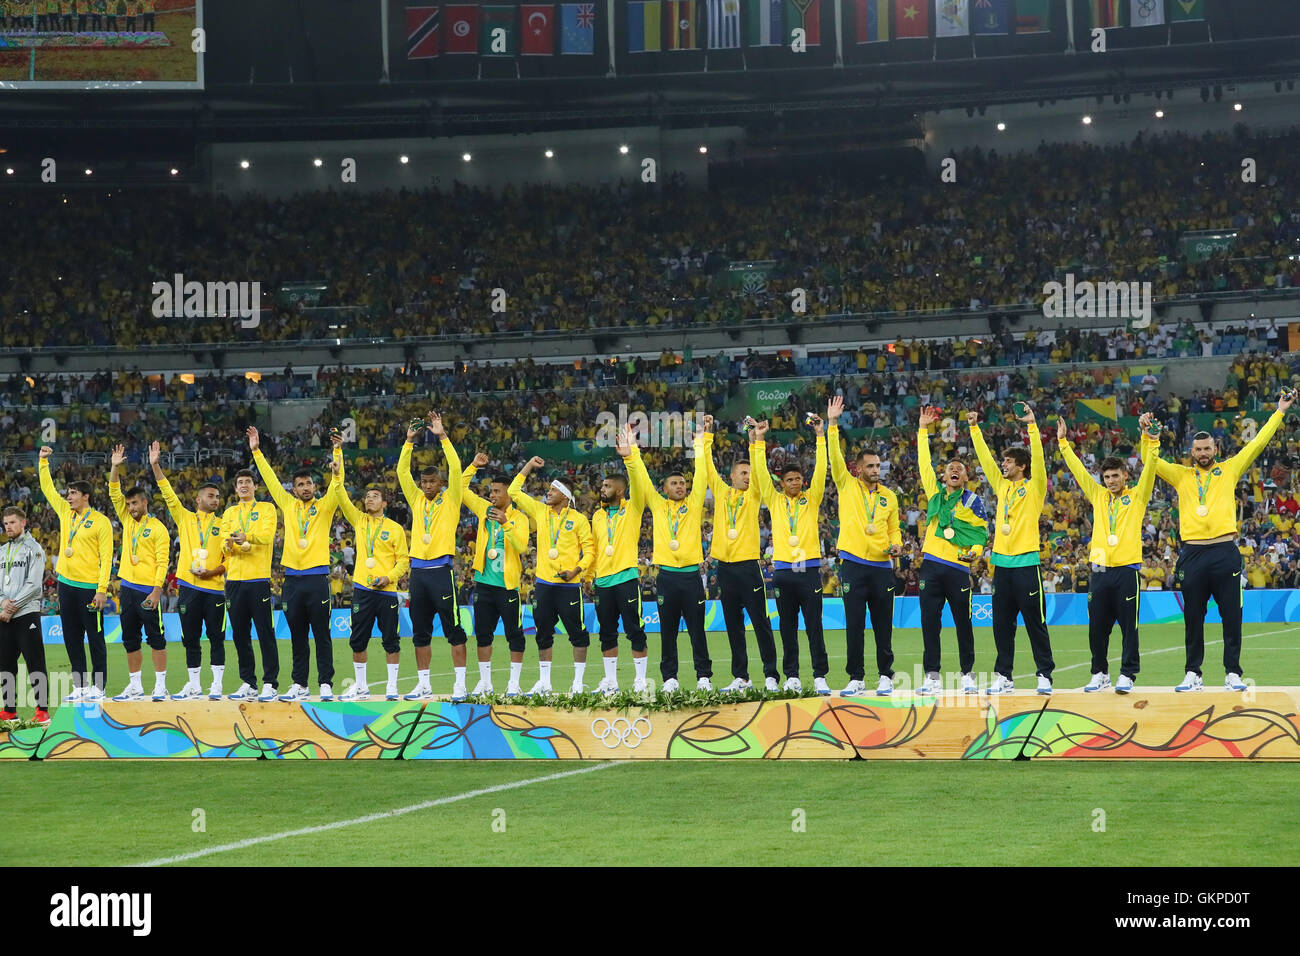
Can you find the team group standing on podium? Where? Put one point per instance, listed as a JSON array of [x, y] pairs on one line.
[[224, 569]]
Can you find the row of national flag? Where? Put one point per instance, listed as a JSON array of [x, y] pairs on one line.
[[500, 29], [653, 26]]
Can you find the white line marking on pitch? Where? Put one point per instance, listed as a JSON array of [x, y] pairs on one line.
[[1167, 650], [372, 817]]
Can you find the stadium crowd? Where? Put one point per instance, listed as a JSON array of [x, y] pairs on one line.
[[575, 258]]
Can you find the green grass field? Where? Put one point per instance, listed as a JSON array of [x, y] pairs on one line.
[[1001, 813]]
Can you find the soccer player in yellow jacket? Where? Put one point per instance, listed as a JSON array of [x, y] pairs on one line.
[[83, 565], [435, 513], [499, 548], [678, 553], [869, 541], [382, 560], [305, 560], [1114, 589], [1020, 483], [616, 534], [797, 553], [1209, 563], [734, 548], [200, 579], [565, 552], [956, 530], [146, 553], [247, 539]]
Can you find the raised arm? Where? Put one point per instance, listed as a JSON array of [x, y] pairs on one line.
[[991, 470], [178, 511], [928, 480], [455, 485], [1037, 464], [1240, 463], [282, 498], [839, 471], [700, 474], [817, 488], [404, 479], [1167, 470], [758, 464], [339, 495], [56, 500], [516, 529], [1147, 482]]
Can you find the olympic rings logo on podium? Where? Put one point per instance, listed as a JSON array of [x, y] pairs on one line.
[[625, 734], [981, 611]]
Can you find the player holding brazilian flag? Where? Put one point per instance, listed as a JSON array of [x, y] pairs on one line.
[[1116, 553], [305, 561], [1209, 564], [956, 530], [1021, 487]]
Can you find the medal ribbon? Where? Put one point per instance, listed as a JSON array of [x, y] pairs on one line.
[[9, 557], [303, 519], [792, 518], [875, 500], [135, 538], [198, 524], [1011, 496], [429, 507], [1201, 492], [1114, 507], [673, 524], [611, 524], [735, 501], [244, 517], [552, 528], [72, 534], [372, 536]]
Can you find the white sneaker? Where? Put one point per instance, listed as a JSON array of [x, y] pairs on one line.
[[638, 686], [1124, 685], [1191, 681], [1099, 682], [294, 693], [159, 692], [793, 684], [607, 687], [93, 695], [75, 697], [543, 689], [390, 693], [245, 692], [214, 692], [421, 692], [821, 687], [458, 692], [885, 687], [513, 689], [575, 688], [483, 687], [968, 684], [326, 692], [855, 688], [1045, 685], [931, 686], [770, 685], [132, 692], [670, 686], [738, 686], [188, 692], [704, 684], [267, 694], [1002, 685], [1234, 682], [356, 692]]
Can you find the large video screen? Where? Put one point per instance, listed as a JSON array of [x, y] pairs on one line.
[[101, 45]]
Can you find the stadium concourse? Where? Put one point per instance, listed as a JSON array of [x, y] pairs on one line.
[[507, 410], [423, 263]]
